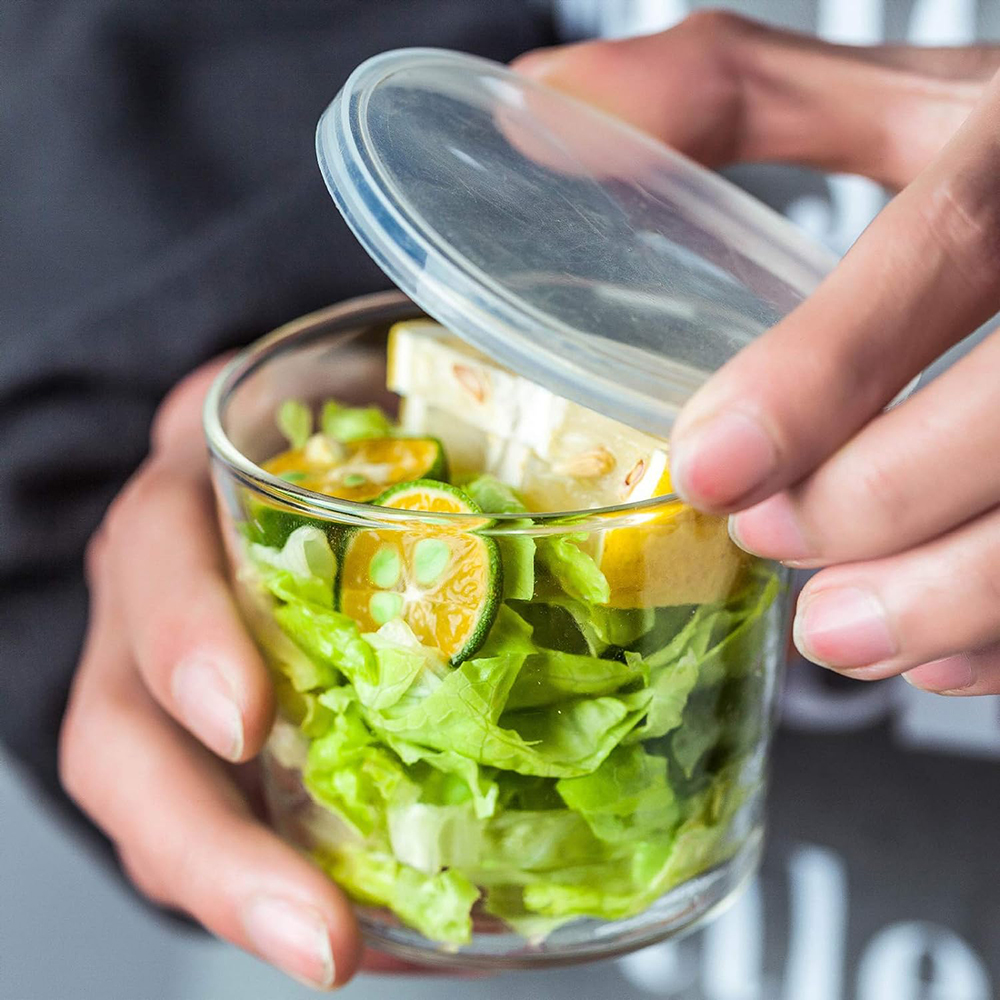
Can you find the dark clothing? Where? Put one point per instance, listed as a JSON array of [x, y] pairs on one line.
[[161, 203]]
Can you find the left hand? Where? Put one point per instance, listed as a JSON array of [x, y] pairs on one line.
[[791, 438]]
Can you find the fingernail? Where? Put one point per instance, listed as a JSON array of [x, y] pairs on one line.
[[952, 675], [843, 627], [770, 529], [722, 460], [205, 702], [292, 936]]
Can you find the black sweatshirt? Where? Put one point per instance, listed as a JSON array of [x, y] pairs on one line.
[[161, 203]]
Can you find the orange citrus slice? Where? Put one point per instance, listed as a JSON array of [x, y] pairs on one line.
[[443, 580], [360, 471]]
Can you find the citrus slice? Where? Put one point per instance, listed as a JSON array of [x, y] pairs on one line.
[[674, 555], [442, 580], [678, 556], [360, 471]]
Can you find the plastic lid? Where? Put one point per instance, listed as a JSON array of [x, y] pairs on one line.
[[562, 242]]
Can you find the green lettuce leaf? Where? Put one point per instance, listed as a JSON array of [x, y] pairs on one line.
[[283, 656], [575, 571], [715, 643], [431, 837], [356, 779], [628, 798], [506, 902], [400, 660], [601, 891], [329, 638], [509, 634], [520, 844], [703, 840], [301, 570], [348, 423], [738, 633], [548, 677], [668, 691], [517, 552], [438, 906], [295, 421], [479, 786], [462, 714]]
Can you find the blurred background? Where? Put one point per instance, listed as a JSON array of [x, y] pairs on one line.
[[162, 203]]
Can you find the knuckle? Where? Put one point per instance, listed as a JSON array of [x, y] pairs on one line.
[[880, 498], [966, 229], [180, 411], [71, 763], [714, 23], [119, 523], [985, 582], [142, 876]]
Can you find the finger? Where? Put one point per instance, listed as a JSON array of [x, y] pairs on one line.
[[973, 673], [880, 493], [190, 645], [881, 618], [918, 280], [885, 111], [184, 833], [188, 639]]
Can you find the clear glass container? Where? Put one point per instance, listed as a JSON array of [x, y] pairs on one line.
[[589, 781]]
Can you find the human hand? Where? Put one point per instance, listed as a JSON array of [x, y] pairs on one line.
[[169, 695], [791, 438]]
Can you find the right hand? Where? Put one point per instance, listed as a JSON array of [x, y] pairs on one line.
[[791, 437]]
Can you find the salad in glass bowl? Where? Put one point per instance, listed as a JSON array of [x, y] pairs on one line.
[[524, 692]]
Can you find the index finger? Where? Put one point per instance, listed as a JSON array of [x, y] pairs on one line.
[[761, 91]]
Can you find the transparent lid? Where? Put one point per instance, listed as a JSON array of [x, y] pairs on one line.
[[564, 243]]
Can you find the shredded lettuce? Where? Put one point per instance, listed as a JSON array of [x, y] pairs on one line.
[[517, 552], [628, 798], [302, 569], [350, 423], [295, 421], [438, 906], [583, 762], [576, 572]]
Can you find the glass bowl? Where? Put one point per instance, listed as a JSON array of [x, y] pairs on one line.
[[588, 782]]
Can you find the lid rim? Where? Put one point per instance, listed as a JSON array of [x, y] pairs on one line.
[[491, 315]]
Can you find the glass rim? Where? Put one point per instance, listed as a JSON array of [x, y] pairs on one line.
[[297, 498]]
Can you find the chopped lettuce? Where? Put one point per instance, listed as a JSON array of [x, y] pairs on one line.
[[463, 714], [350, 423], [438, 906], [519, 844], [628, 798], [549, 676], [433, 837], [583, 762], [329, 638], [354, 777], [295, 421], [699, 731], [517, 552], [576, 572], [400, 662], [302, 569]]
